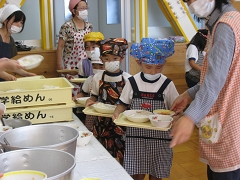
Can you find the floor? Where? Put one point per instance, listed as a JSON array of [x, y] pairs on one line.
[[186, 164]]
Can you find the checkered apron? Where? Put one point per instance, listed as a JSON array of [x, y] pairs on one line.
[[147, 151], [224, 156]]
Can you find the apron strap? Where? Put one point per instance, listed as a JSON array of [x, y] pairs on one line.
[[134, 87], [164, 85]]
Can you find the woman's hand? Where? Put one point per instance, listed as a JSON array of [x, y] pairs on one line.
[[7, 77], [181, 102], [90, 101], [10, 65]]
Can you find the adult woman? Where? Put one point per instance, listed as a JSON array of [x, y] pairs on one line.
[[216, 99], [12, 20], [194, 57], [70, 48]]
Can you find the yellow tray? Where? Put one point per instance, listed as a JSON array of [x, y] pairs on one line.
[[123, 121], [42, 114], [67, 70], [78, 80], [91, 111]]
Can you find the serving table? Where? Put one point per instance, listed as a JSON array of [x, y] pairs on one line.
[[94, 161]]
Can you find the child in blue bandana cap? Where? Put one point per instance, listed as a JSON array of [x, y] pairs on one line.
[[148, 151]]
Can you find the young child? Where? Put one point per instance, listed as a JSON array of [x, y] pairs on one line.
[[147, 151], [91, 41], [194, 57], [106, 88]]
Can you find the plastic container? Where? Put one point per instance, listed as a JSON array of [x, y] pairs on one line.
[[84, 138], [36, 92], [24, 175], [161, 121]]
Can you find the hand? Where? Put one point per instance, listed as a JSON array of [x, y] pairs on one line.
[[10, 65], [7, 77], [115, 116], [1, 175], [181, 102], [78, 96], [181, 131], [24, 73], [89, 102]]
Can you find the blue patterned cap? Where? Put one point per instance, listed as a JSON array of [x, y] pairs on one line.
[[152, 51]]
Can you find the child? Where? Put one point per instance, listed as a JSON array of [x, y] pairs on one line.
[[91, 41], [97, 66], [194, 57], [107, 87], [147, 151]]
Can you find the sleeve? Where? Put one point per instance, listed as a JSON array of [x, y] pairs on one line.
[[220, 58], [64, 32], [192, 52], [14, 48], [127, 93], [95, 84], [171, 94], [86, 85], [80, 68]]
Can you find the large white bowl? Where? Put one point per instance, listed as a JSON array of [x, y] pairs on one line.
[[164, 112], [104, 108], [84, 138], [82, 100], [137, 115], [161, 121], [24, 175], [31, 61]]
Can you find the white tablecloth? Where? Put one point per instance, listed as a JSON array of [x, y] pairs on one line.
[[93, 160]]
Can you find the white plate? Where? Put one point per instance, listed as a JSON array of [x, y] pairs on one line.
[[104, 108], [164, 112], [137, 115], [82, 100], [31, 61]]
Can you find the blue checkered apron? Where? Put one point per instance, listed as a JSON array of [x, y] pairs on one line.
[[147, 151]]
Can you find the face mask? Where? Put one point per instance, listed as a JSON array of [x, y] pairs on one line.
[[83, 14], [112, 66], [95, 71], [202, 8], [89, 54], [152, 77], [15, 29]]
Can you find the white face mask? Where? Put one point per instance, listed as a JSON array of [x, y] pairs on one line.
[[152, 77], [95, 71], [112, 66], [15, 29], [82, 14], [202, 8], [89, 54]]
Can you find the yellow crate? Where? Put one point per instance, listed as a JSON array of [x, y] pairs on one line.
[[42, 114], [32, 92], [30, 78]]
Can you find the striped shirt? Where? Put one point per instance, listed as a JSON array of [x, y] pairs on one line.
[[219, 58]]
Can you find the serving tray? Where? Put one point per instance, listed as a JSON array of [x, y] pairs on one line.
[[78, 80], [91, 111], [123, 121]]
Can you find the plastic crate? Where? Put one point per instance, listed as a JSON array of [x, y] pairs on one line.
[[33, 93], [30, 78], [42, 114]]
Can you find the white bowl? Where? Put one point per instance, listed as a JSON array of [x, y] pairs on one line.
[[104, 108], [137, 115], [163, 112], [82, 100], [161, 121], [3, 107], [84, 138], [4, 129], [24, 175], [31, 61]]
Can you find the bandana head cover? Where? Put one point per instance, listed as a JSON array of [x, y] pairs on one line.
[[6, 11], [72, 4], [93, 36], [152, 51], [114, 46]]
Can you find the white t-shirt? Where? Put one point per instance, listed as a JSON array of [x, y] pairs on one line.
[[192, 52], [80, 69], [97, 77], [87, 85], [170, 93]]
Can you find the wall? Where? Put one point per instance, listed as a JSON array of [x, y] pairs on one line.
[[32, 28]]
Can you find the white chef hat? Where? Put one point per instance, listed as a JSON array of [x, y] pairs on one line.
[[6, 11], [95, 59]]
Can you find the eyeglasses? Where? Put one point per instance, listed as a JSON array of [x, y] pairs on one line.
[[82, 9]]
